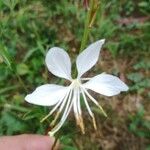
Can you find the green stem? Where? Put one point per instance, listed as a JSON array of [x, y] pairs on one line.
[[55, 143], [3, 90], [87, 26]]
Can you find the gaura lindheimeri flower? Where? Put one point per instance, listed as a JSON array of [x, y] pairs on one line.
[[66, 98]]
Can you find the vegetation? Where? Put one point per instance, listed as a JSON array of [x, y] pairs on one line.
[[29, 28]]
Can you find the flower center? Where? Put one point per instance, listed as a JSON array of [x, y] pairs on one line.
[[76, 83]]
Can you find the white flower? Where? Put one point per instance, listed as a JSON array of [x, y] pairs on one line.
[[65, 98]]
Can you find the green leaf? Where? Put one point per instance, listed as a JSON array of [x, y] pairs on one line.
[[113, 48], [11, 124], [22, 69], [6, 56], [11, 3], [135, 77]]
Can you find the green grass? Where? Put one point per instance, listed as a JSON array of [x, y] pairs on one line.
[[29, 28]]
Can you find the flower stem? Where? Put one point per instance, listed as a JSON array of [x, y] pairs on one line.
[[89, 21], [86, 26]]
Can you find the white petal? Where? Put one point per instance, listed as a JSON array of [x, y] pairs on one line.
[[106, 84], [88, 58], [58, 63], [47, 95]]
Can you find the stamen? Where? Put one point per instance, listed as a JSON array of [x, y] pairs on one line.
[[85, 79], [55, 118], [80, 112], [51, 112], [94, 123], [61, 107], [94, 101], [77, 110], [57, 105], [78, 101], [64, 117], [75, 105], [89, 110]]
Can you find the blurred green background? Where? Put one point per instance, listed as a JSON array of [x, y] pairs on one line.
[[29, 28]]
